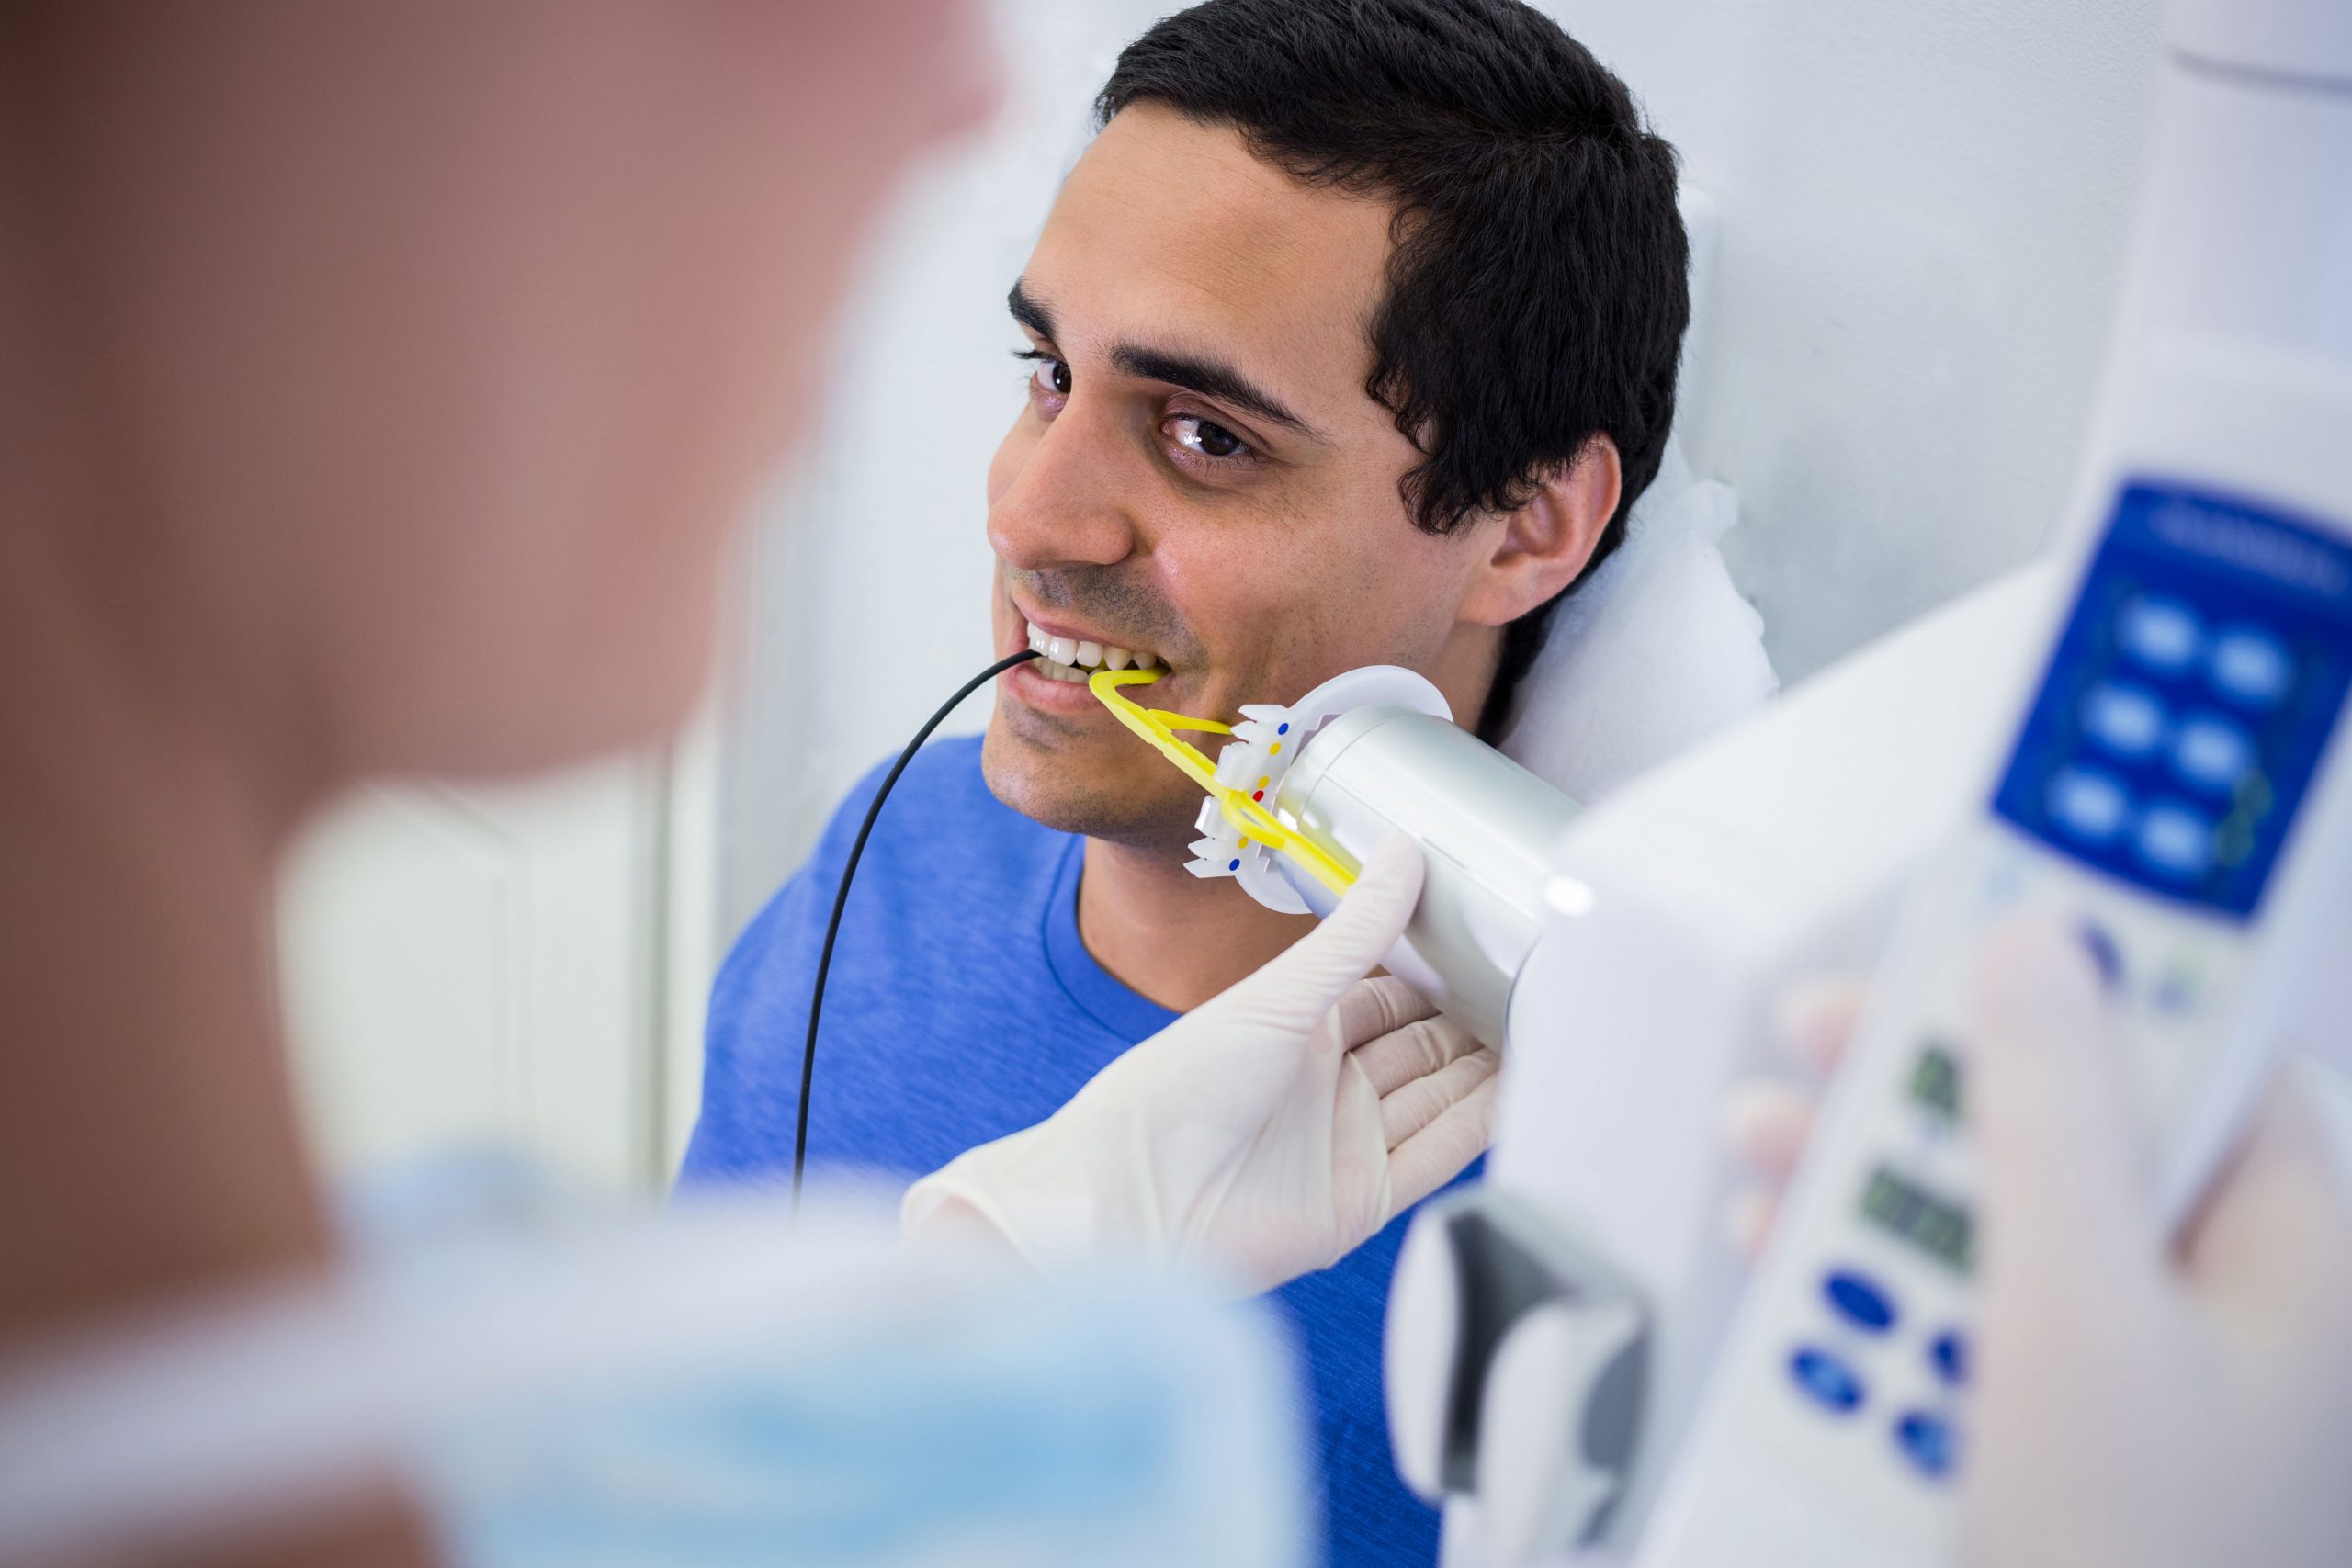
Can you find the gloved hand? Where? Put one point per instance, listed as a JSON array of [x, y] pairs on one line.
[[2140, 1409], [1268, 1131], [2134, 1408]]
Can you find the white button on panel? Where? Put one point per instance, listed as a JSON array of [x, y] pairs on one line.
[[2160, 634], [2090, 806], [2211, 753], [2124, 720], [2176, 840], [2251, 666]]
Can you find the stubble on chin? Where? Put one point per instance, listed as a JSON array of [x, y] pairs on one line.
[[1028, 775]]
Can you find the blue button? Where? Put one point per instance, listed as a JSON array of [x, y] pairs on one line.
[[1830, 1381], [1928, 1441], [1858, 1300], [2087, 804], [2161, 634], [2212, 753], [1947, 1352], [2251, 666], [2105, 951], [2174, 842], [2125, 719]]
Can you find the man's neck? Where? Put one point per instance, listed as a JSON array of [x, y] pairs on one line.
[[1176, 938]]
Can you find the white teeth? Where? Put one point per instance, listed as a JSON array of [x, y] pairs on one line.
[[1067, 659]]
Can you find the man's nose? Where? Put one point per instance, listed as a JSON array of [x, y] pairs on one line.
[[1067, 503]]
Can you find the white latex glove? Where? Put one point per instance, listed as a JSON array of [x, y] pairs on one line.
[[2140, 1409], [2134, 1408], [1268, 1131]]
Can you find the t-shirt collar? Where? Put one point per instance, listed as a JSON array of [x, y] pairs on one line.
[[1096, 991]]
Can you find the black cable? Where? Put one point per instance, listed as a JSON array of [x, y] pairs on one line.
[[841, 899]]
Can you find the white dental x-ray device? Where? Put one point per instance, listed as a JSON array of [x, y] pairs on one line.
[[2178, 789], [2144, 735]]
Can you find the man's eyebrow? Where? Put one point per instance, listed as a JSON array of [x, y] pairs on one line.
[[1209, 377], [1193, 372], [1028, 313]]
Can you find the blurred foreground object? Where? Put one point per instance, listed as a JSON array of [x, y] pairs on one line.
[[2139, 1410], [384, 385], [712, 1387], [2142, 1409]]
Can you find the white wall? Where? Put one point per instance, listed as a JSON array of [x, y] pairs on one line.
[[870, 569], [1923, 203]]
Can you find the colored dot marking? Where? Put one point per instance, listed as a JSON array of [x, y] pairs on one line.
[[1233, 866], [1281, 729], [1265, 781], [1258, 794], [1245, 843], [1277, 749]]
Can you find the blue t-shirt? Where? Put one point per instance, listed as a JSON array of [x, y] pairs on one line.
[[963, 1006]]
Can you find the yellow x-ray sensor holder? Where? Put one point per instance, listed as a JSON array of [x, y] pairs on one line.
[[1243, 809]]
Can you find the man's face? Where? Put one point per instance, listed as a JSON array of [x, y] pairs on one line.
[[1198, 473]]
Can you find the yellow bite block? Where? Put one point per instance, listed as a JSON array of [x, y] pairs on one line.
[[1159, 726]]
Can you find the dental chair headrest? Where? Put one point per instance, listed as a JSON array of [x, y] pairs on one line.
[[1657, 651]]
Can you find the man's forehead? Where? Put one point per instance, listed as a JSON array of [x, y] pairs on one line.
[[1171, 229]]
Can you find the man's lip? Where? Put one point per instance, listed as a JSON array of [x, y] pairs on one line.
[[1062, 629], [1070, 700]]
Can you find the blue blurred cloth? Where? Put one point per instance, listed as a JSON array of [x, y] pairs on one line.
[[719, 1385], [1071, 1421]]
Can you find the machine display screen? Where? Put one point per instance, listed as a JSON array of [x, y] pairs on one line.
[[1934, 1081], [1938, 1226]]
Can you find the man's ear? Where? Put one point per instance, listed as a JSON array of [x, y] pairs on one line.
[[1540, 548]]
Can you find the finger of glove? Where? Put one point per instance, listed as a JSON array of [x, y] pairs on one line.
[[1412, 1047], [1414, 1105], [1296, 989], [1813, 1019], [1371, 1012], [1748, 1218], [2274, 1245], [1765, 1125], [1439, 1152], [2068, 1196]]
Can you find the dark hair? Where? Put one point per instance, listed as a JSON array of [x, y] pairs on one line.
[[1537, 293]]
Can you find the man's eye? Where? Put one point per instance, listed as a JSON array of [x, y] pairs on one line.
[[1207, 437], [1051, 377]]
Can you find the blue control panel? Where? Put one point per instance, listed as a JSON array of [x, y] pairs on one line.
[[2190, 699], [1831, 1370]]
